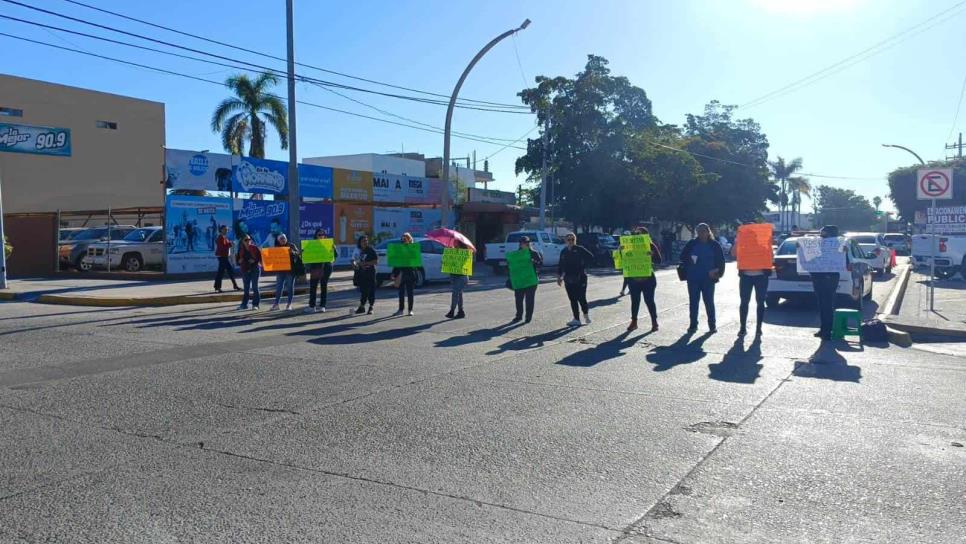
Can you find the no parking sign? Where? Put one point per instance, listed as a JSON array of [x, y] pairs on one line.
[[934, 184]]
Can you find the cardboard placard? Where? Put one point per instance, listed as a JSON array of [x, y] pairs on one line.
[[522, 272], [457, 261], [276, 259], [318, 251], [817, 254], [753, 247], [636, 256], [404, 256], [617, 259]]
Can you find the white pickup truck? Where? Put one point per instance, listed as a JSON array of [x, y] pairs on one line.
[[544, 243], [950, 253], [141, 248]]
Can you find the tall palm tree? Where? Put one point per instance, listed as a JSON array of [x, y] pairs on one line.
[[798, 186], [246, 115], [876, 201], [782, 171]]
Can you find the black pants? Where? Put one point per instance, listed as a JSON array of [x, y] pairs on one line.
[[577, 293], [323, 282], [701, 289], [224, 265], [825, 285], [406, 287], [745, 285], [367, 288], [646, 289], [527, 295]]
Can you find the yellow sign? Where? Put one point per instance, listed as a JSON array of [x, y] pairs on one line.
[[636, 256], [457, 261], [276, 259], [617, 259]]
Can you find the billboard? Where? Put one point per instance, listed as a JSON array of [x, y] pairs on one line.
[[351, 185], [350, 222], [315, 181], [35, 140], [401, 189], [251, 175], [491, 196], [262, 219], [197, 171], [392, 222], [191, 225], [314, 216], [947, 219]]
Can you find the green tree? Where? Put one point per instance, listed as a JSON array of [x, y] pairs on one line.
[[877, 201], [902, 188], [246, 115], [783, 172], [798, 187], [842, 207]]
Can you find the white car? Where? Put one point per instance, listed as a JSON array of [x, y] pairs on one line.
[[140, 249], [432, 252], [950, 253], [544, 243], [874, 246], [787, 283]]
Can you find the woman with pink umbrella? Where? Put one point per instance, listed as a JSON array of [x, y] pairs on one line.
[[452, 238]]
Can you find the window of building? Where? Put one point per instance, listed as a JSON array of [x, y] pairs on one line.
[[10, 112], [107, 124]]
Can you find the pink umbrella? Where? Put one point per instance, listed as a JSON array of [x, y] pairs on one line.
[[449, 238]]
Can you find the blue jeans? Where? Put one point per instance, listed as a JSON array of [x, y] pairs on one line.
[[698, 289], [457, 284], [284, 280], [250, 281]]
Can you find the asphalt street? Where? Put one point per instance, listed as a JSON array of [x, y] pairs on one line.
[[206, 424]]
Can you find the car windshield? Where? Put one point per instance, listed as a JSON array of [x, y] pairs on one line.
[[863, 239], [90, 234], [139, 235], [515, 237], [895, 237], [788, 247]]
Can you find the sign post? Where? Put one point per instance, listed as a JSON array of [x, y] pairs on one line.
[[3, 242], [934, 184]]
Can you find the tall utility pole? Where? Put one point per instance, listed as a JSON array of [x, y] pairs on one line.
[[444, 200], [293, 155], [543, 174], [3, 242], [958, 147]]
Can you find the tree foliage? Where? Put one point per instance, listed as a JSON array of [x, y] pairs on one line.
[[842, 207], [902, 188], [245, 116]]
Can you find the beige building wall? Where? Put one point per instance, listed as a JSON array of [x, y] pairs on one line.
[[120, 167]]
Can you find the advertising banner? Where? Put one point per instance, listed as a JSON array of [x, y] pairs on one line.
[[197, 171], [520, 265], [251, 175], [821, 254], [491, 196], [457, 261], [315, 215], [391, 223], [35, 140], [318, 251], [754, 247], [264, 220], [351, 185], [276, 259], [350, 222], [947, 219], [191, 225], [636, 256], [315, 181], [404, 256]]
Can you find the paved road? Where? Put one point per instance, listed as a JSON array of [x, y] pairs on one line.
[[204, 424]]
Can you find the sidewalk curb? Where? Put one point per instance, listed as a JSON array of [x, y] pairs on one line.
[[9, 295], [903, 330]]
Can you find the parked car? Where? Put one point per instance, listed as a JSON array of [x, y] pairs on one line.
[[876, 250], [140, 249], [432, 261], [71, 251], [787, 283], [900, 243], [950, 253], [601, 245], [544, 243]]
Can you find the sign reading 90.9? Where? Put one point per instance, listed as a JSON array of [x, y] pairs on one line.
[[35, 140]]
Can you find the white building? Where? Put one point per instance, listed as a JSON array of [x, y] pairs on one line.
[[372, 162]]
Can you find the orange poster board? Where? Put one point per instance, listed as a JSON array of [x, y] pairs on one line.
[[754, 247], [276, 259]]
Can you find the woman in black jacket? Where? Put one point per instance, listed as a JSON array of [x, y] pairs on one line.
[[644, 288], [406, 276], [704, 263], [364, 262], [572, 273], [319, 274]]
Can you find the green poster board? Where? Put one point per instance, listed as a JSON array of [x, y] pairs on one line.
[[318, 251], [457, 261], [636, 256], [404, 256], [617, 259], [522, 273]]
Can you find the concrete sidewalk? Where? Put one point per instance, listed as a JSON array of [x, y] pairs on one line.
[[949, 316]]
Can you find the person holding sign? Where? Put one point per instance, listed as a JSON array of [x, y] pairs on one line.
[[405, 277], [825, 285], [458, 280], [752, 250], [319, 272], [286, 279], [523, 265], [703, 261], [644, 287], [364, 262], [249, 259], [572, 273]]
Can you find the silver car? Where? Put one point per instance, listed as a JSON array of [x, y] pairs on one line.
[[877, 252]]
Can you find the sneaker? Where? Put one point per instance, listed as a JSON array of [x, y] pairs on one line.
[[320, 309], [573, 323], [654, 326], [309, 309], [450, 315], [632, 326], [255, 307], [460, 315], [411, 313], [274, 308], [288, 307], [361, 310], [742, 332], [587, 319]]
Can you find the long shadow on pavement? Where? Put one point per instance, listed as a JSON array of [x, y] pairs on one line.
[[479, 335], [611, 349], [683, 351], [529, 342], [368, 337], [827, 364], [739, 365]]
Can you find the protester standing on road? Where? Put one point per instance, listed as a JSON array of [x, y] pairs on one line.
[[286, 280], [703, 261], [526, 297], [748, 280], [405, 278], [625, 286], [249, 259], [644, 288], [364, 263], [825, 285], [457, 285], [223, 251], [572, 274], [319, 274]]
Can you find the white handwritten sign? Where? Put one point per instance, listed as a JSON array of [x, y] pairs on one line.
[[821, 254]]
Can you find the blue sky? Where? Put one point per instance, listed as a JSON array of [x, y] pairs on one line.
[[683, 54]]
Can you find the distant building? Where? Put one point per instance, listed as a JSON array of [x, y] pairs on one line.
[[793, 221]]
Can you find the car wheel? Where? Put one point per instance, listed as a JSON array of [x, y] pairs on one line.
[[945, 272], [420, 278], [772, 301], [132, 262]]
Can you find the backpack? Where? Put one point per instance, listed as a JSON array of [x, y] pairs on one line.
[[874, 330]]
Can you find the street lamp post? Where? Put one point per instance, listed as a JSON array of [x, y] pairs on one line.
[[445, 204], [3, 242], [293, 174]]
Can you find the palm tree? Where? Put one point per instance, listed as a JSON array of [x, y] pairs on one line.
[[782, 171], [876, 201], [245, 116], [798, 186]]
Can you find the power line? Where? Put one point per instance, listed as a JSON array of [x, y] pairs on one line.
[[869, 52], [513, 142], [959, 104], [267, 55]]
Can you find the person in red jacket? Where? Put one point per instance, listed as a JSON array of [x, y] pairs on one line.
[[223, 251]]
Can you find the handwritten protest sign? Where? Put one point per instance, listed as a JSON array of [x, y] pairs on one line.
[[404, 256], [522, 273], [318, 251], [821, 254], [457, 261], [617, 259], [276, 259], [636, 256], [754, 247]]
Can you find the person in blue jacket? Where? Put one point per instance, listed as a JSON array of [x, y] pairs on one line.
[[703, 261]]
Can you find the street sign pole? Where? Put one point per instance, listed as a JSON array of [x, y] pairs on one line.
[[932, 261], [3, 241]]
